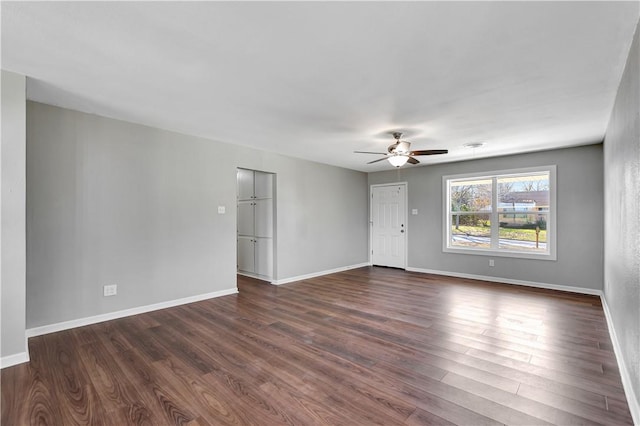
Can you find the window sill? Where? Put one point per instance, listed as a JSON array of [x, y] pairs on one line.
[[501, 253]]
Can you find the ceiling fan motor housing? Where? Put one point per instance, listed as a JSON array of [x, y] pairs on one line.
[[402, 147]]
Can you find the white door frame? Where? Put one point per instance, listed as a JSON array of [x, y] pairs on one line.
[[406, 217]]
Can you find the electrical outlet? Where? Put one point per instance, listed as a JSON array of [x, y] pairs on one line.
[[492, 262], [222, 209], [110, 290]]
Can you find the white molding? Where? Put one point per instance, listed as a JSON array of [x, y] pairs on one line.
[[632, 398], [66, 325], [319, 274], [581, 290], [15, 359]]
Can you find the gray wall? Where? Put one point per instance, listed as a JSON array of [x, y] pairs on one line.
[[580, 215], [622, 217], [322, 215], [111, 202], [12, 251]]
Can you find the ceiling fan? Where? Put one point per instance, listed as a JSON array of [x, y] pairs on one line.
[[399, 153]]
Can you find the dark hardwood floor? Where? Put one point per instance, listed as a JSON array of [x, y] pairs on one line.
[[367, 346]]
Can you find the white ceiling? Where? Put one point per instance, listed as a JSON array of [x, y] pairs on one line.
[[318, 80]]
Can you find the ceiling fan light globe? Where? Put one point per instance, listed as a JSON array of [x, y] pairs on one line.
[[398, 160]]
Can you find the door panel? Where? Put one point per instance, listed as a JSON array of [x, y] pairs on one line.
[[263, 218], [394, 247], [245, 184], [264, 256], [388, 230], [246, 218], [246, 254], [263, 185]]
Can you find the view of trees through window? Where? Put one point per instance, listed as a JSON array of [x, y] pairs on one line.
[[507, 212]]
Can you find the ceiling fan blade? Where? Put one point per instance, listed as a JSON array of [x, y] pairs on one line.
[[375, 161], [412, 160], [429, 152], [369, 152]]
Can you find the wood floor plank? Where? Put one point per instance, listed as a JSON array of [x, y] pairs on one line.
[[365, 346], [526, 406], [473, 401], [571, 405], [79, 402], [115, 395], [605, 386], [421, 417]]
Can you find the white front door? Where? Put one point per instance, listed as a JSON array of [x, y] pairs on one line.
[[388, 226]]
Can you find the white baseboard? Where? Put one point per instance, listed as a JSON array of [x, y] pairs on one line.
[[66, 325], [15, 359], [581, 290], [256, 276], [632, 398], [319, 274]]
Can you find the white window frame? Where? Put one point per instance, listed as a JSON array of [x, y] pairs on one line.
[[550, 254]]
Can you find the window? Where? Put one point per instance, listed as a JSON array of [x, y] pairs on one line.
[[508, 213]]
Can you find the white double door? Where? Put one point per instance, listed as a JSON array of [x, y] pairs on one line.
[[388, 225]]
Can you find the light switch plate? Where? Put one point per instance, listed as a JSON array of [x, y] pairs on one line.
[[110, 290], [414, 211], [221, 210]]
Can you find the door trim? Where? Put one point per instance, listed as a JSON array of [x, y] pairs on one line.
[[406, 218]]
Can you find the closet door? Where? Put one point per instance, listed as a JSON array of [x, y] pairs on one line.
[[264, 257], [263, 218], [246, 254], [263, 185], [245, 184], [246, 220]]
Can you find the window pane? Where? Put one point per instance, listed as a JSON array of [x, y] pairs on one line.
[[523, 193], [470, 230], [523, 231], [471, 195]]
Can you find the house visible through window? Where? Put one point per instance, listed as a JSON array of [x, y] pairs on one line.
[[509, 213]]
